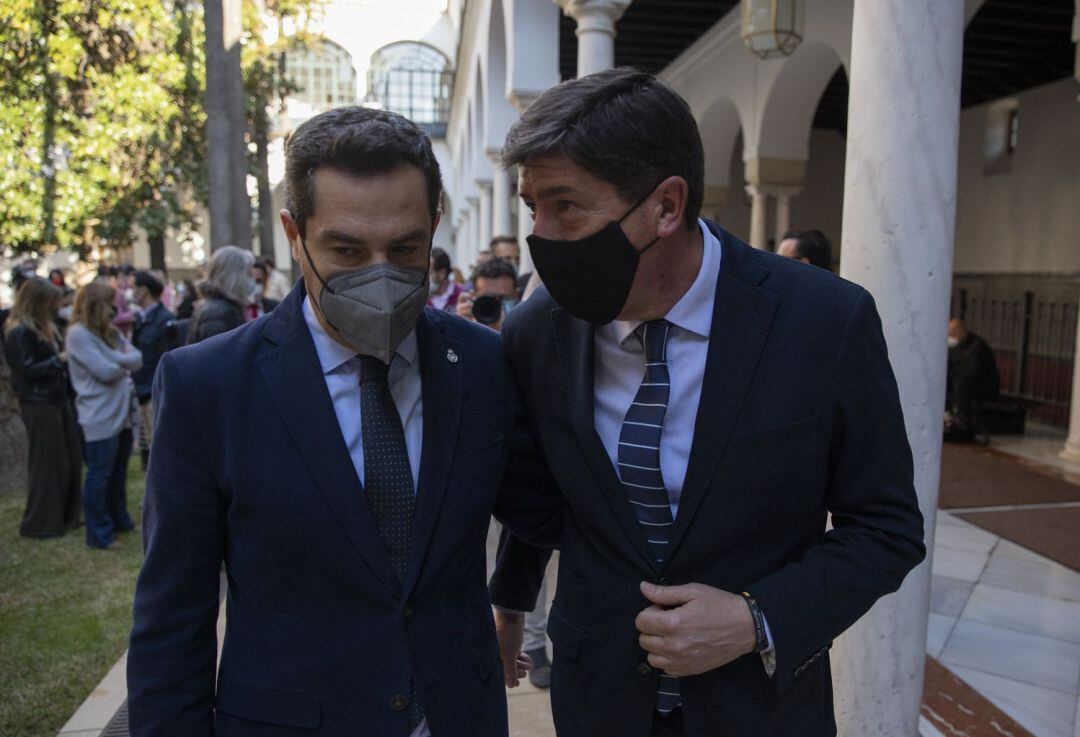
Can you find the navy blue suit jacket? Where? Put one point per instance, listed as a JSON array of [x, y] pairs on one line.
[[249, 468], [799, 416]]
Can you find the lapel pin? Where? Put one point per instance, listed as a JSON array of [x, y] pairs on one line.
[[451, 356]]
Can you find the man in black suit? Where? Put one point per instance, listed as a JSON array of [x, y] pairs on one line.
[[340, 455], [695, 409]]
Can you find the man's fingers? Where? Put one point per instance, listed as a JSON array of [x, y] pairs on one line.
[[668, 596], [654, 621], [654, 644], [660, 662]]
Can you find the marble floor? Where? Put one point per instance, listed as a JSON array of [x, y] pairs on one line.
[[1039, 444], [1007, 621]]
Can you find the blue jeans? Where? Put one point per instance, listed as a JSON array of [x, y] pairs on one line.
[[104, 493]]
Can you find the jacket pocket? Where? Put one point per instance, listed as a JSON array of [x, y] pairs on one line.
[[565, 635], [775, 438], [271, 705]]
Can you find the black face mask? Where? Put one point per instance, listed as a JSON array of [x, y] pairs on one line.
[[590, 277]]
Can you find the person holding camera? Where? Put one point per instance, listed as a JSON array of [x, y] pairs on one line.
[[493, 295]]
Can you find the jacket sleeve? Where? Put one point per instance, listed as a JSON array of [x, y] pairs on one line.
[[173, 648], [21, 357], [97, 360], [131, 359], [530, 505], [877, 535]]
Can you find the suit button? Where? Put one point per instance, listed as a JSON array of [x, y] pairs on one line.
[[644, 668], [399, 703], [664, 581], [410, 610]]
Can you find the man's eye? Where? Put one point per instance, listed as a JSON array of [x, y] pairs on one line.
[[565, 205], [405, 250], [345, 251]]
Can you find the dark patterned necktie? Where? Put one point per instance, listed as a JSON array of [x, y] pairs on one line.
[[388, 479], [639, 464]]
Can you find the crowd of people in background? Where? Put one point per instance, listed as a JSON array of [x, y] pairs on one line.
[[82, 362]]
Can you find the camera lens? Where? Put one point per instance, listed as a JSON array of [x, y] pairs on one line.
[[487, 309]]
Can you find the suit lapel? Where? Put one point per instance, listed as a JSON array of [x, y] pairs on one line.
[[441, 386], [742, 316], [294, 378], [577, 355]]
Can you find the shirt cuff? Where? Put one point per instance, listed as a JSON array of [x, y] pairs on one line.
[[768, 655], [508, 610]]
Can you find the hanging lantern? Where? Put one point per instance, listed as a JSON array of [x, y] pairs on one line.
[[772, 27]]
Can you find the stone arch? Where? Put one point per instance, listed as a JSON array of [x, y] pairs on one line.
[[792, 100], [500, 113]]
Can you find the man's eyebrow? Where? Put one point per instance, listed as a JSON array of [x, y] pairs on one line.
[[342, 236], [556, 191], [412, 235]]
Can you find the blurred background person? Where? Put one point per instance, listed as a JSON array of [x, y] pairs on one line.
[[260, 302], [277, 284], [809, 246], [187, 295], [33, 348], [972, 377], [507, 248], [101, 360], [445, 291], [56, 276], [494, 294], [223, 295], [149, 337], [121, 279]]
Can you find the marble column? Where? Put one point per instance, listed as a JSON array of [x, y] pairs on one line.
[[898, 243], [483, 236], [783, 211], [1071, 451], [595, 31], [759, 212], [500, 199]]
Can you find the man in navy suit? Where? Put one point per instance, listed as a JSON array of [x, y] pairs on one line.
[[340, 456], [694, 408]]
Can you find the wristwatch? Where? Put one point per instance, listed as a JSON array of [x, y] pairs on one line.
[[761, 640]]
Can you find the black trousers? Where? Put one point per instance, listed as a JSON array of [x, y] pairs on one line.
[[52, 504], [671, 725]]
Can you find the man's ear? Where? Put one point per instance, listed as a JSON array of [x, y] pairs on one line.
[[673, 192], [292, 232]]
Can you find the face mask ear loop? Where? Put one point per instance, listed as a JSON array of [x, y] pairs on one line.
[[639, 203], [322, 281]]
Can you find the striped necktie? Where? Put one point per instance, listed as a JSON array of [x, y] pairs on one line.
[[388, 479], [639, 464]]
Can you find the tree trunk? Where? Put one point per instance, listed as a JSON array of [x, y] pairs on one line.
[[157, 251], [261, 132], [226, 127], [47, 10]]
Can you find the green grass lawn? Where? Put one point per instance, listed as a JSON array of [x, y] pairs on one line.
[[65, 614]]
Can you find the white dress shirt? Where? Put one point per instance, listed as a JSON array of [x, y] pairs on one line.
[[620, 366], [341, 371]]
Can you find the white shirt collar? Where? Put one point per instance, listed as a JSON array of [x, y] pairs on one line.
[[333, 355], [694, 311]]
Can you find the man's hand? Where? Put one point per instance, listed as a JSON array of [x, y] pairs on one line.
[[464, 305], [510, 630], [694, 628]]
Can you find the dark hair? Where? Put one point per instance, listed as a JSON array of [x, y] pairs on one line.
[[358, 141], [624, 126], [151, 282], [440, 259], [260, 264], [496, 268], [813, 246], [502, 239]]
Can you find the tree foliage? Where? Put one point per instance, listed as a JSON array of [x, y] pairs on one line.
[[101, 114]]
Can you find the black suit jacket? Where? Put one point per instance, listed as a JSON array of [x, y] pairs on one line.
[[249, 468], [799, 417]]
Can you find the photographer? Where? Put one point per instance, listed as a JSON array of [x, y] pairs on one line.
[[494, 294]]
